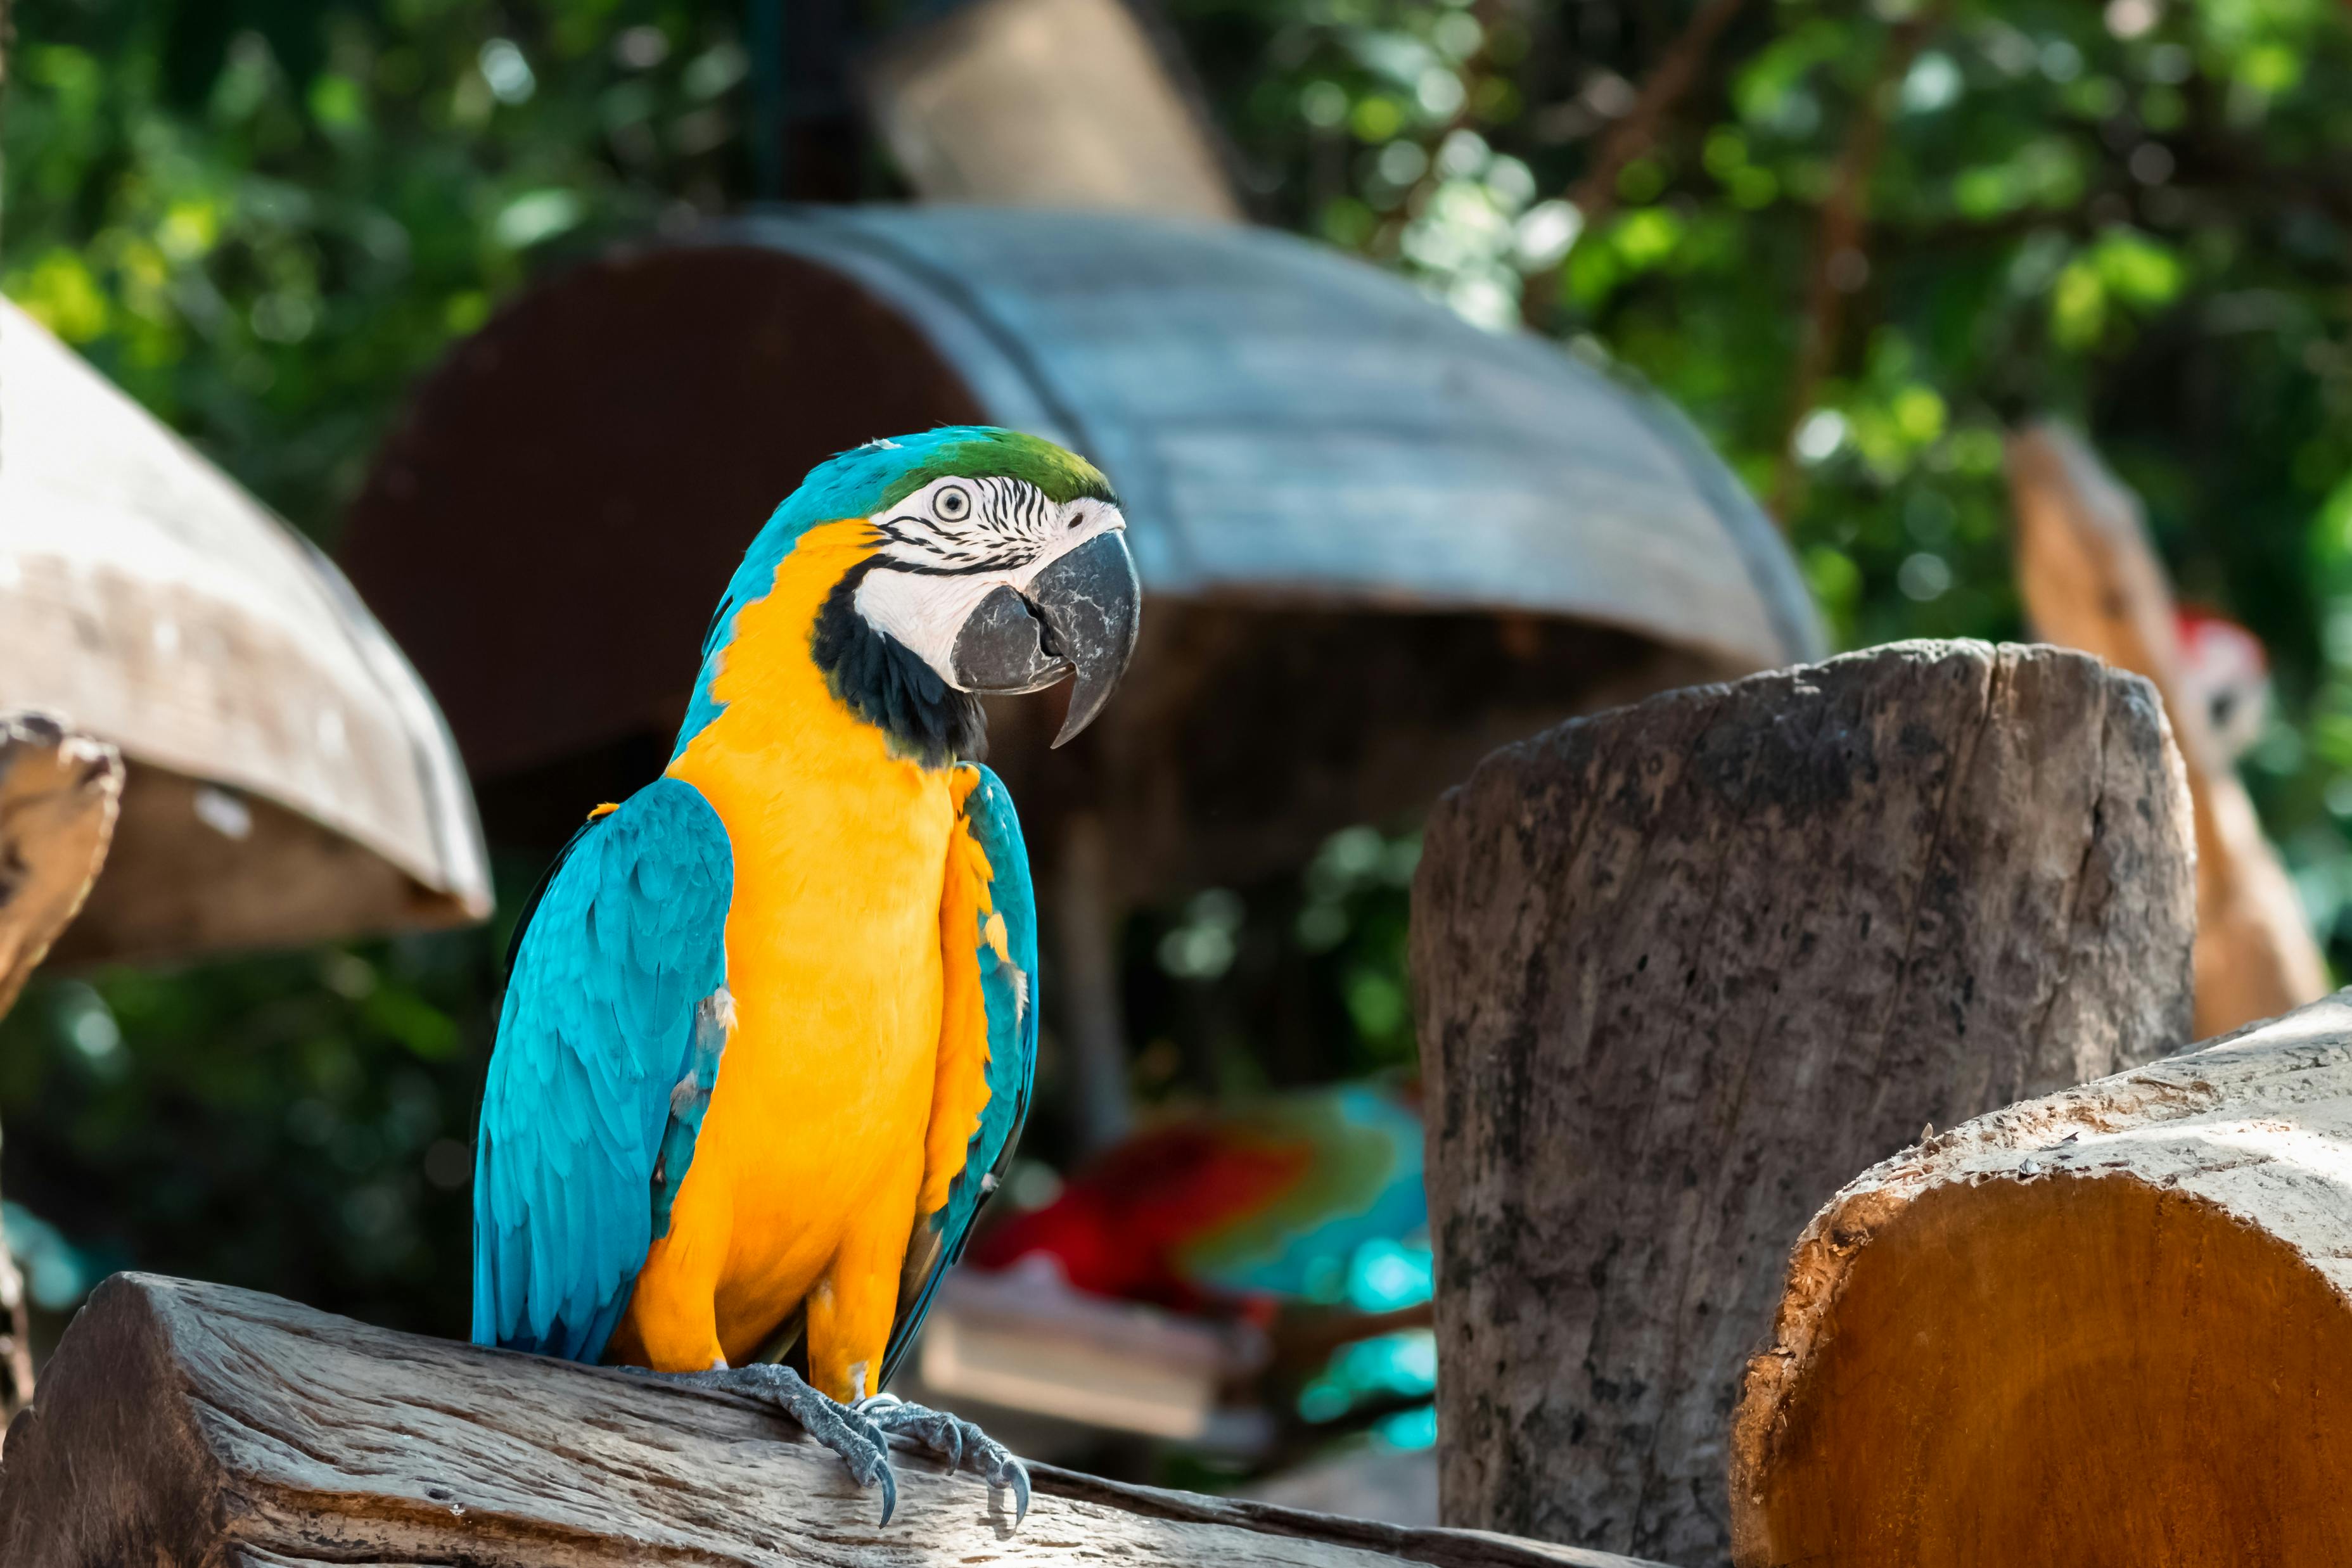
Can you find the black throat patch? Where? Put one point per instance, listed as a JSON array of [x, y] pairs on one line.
[[885, 683]]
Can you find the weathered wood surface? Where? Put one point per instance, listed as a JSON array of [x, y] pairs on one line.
[[196, 868], [148, 600], [1682, 968], [2111, 1328], [186, 1424], [59, 793], [2091, 580], [1048, 103]]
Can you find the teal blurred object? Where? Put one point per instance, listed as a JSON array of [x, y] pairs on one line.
[[57, 1274], [1415, 1428], [1384, 1275], [1391, 1366]]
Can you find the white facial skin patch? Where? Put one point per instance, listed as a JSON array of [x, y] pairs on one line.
[[974, 537]]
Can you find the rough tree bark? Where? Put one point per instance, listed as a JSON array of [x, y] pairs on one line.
[[2091, 579], [58, 797], [1684, 967], [184, 1423], [2110, 1327]]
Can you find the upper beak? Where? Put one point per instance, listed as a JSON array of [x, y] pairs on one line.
[[1082, 614]]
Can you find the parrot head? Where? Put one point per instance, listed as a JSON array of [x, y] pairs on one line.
[[991, 562], [1004, 569]]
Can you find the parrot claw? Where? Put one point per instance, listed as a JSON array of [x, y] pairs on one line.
[[1011, 1472], [955, 1440], [863, 1443]]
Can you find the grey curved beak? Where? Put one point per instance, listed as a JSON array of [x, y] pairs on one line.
[[1081, 616]]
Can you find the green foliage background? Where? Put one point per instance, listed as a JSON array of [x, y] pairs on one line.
[[265, 217]]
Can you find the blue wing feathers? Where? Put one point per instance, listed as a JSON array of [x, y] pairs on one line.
[[1008, 996], [627, 934], [1009, 989]]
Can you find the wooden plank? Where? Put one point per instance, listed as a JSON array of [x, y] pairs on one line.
[[187, 1424], [2110, 1328], [1683, 966]]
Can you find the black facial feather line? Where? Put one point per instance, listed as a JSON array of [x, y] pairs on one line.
[[885, 683]]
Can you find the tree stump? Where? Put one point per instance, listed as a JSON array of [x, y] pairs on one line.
[[183, 1425], [2110, 1327], [1684, 967]]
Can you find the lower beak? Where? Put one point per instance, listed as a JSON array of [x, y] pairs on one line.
[[1081, 616]]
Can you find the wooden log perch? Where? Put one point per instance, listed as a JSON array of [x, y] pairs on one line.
[[2109, 1327], [188, 1424], [1682, 968], [2091, 580], [58, 795]]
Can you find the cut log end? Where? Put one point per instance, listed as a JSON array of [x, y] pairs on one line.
[[1935, 1436], [2111, 1327]]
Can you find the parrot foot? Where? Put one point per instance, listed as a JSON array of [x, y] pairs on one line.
[[959, 1442], [862, 1442]]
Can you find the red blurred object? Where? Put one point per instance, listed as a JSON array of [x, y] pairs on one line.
[[1243, 1209], [1119, 1228], [2225, 670]]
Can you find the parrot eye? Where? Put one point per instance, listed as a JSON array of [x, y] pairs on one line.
[[952, 504]]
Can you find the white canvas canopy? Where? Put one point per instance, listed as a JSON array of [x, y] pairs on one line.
[[290, 778]]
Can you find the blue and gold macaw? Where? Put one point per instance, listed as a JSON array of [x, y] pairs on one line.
[[770, 1029]]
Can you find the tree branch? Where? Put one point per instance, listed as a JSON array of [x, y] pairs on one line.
[[1839, 263], [1594, 195]]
